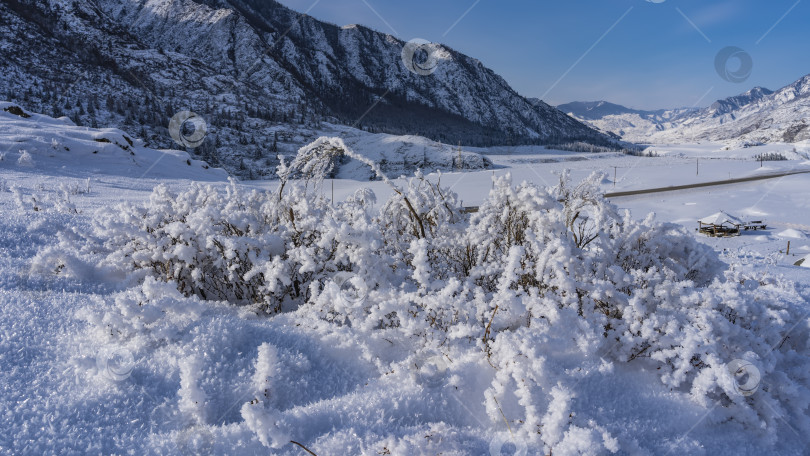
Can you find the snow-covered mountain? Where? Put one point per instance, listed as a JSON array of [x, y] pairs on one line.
[[594, 110], [263, 76], [731, 104], [756, 116], [634, 125]]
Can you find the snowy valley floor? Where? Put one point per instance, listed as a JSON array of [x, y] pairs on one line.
[[69, 384]]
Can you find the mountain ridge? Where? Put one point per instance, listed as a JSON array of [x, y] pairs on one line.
[[264, 76], [756, 116], [592, 110]]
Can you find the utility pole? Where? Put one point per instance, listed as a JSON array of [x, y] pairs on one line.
[[333, 192], [697, 167], [614, 177]]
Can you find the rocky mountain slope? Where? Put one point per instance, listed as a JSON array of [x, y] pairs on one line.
[[264, 78], [754, 117]]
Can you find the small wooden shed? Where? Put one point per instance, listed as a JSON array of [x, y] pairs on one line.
[[720, 224]]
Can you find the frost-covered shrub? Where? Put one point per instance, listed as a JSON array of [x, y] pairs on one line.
[[536, 279], [318, 160], [32, 202], [25, 159], [637, 291], [63, 205], [422, 210], [565, 265], [217, 246], [67, 189], [247, 248]]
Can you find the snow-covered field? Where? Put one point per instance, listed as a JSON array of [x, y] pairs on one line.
[[673, 165], [100, 357]]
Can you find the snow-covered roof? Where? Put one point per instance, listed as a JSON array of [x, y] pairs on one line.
[[721, 218]]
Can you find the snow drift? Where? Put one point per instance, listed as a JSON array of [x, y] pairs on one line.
[[39, 143]]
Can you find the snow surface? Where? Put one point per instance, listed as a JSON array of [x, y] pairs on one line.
[[99, 362], [57, 146], [792, 234]]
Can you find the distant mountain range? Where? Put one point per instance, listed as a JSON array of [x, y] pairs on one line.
[[754, 117], [595, 110], [264, 77]]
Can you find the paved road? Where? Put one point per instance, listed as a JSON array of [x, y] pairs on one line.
[[685, 187], [703, 184]]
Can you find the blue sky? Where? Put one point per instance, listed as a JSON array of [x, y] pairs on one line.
[[656, 55]]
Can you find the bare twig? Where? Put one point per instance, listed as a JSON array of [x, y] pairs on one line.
[[489, 325], [305, 448], [504, 417]]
